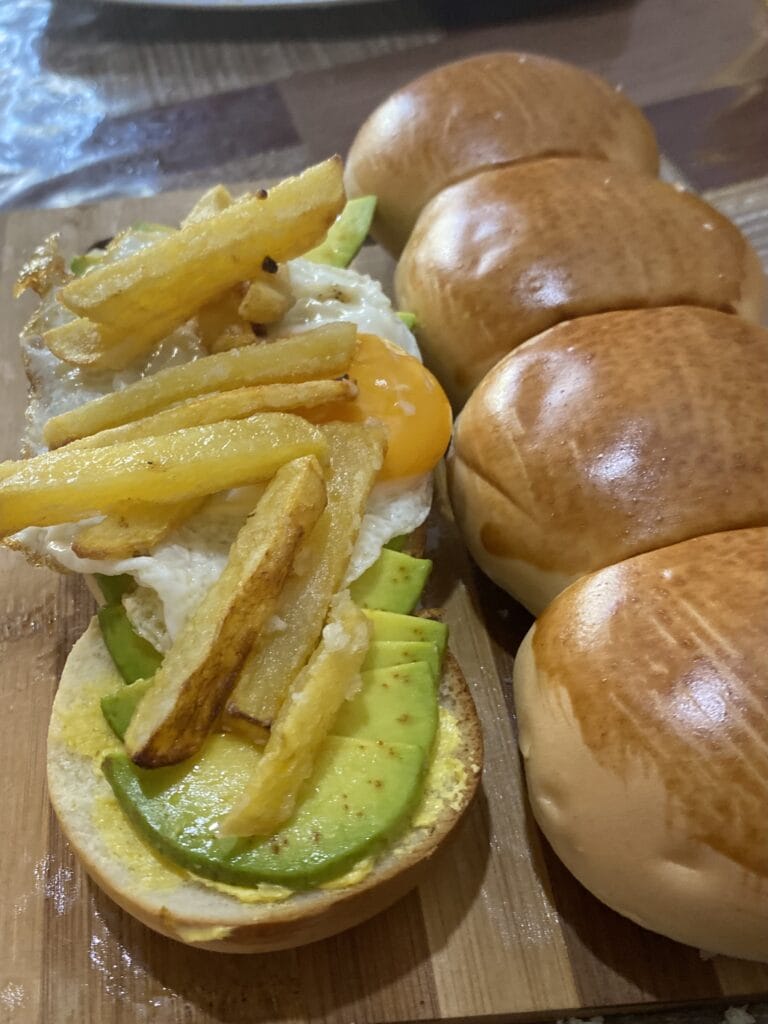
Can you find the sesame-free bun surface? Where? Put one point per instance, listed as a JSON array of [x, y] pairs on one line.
[[611, 435], [173, 902], [506, 254], [482, 112], [642, 698]]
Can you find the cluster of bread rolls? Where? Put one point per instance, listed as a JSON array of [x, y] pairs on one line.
[[609, 468]]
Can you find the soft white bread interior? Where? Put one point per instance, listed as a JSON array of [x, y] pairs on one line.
[[611, 435], [642, 696], [178, 905], [508, 253], [482, 112]]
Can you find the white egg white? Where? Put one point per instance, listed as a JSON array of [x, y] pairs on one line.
[[173, 579]]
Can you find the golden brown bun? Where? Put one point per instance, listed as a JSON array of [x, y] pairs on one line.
[[611, 435], [174, 903], [642, 699], [501, 257], [488, 110]]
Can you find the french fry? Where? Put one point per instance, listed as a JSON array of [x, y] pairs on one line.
[[99, 347], [234, 336], [184, 271], [190, 687], [208, 205], [355, 454], [304, 721], [226, 405], [324, 352], [264, 304], [132, 530], [67, 486], [215, 317]]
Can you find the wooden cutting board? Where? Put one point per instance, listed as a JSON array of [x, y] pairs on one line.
[[499, 929]]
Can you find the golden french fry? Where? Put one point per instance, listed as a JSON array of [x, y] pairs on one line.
[[188, 269], [355, 454], [215, 317], [84, 343], [324, 352], [192, 684], [234, 336], [304, 721], [208, 205], [264, 304], [226, 405], [132, 530], [64, 487]]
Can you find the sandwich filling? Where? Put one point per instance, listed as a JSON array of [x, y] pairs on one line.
[[267, 705]]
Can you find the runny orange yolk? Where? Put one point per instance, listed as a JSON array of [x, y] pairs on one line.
[[397, 390]]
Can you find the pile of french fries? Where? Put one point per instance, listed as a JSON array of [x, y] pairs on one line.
[[145, 458]]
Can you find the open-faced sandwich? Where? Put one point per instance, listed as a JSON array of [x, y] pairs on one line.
[[255, 744]]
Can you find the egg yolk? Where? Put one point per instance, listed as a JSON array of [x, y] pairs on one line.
[[402, 394]]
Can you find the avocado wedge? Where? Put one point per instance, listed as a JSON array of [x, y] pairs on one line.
[[134, 656], [386, 653], [360, 795], [392, 626], [393, 583], [346, 235], [395, 704], [118, 707]]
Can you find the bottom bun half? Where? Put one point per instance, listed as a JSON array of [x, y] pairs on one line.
[[181, 906], [642, 697]]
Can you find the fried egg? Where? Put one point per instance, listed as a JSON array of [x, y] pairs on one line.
[[393, 387]]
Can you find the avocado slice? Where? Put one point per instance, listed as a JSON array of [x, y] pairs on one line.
[[134, 657], [395, 704], [360, 795], [393, 583], [385, 653], [114, 588], [118, 707], [391, 626], [409, 319], [79, 265], [346, 235]]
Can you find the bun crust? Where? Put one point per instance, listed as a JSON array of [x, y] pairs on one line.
[[611, 435], [508, 253], [171, 901], [483, 112], [642, 695]]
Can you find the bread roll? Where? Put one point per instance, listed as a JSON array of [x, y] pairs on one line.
[[501, 257], [642, 697], [488, 110], [184, 907], [607, 436]]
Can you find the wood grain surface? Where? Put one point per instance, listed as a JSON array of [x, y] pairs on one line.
[[499, 931]]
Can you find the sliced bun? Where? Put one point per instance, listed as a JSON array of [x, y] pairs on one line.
[[482, 112], [611, 435], [502, 256], [642, 697], [173, 902]]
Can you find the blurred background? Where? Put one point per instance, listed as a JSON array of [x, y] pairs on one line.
[[102, 99]]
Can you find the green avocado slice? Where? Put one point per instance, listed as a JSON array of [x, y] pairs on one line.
[[385, 653], [118, 708], [392, 626], [134, 657], [395, 704], [346, 235], [393, 583], [360, 795], [114, 588]]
